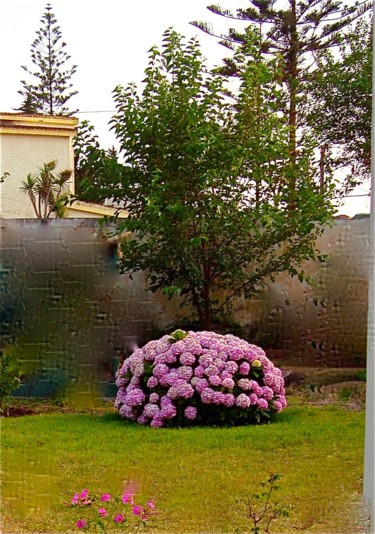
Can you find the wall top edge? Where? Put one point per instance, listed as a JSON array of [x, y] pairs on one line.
[[92, 222], [17, 120]]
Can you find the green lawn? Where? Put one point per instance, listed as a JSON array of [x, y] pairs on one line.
[[196, 475]]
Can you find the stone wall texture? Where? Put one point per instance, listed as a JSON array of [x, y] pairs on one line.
[[67, 312]]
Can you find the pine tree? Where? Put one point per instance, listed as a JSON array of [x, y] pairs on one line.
[[52, 87], [295, 32]]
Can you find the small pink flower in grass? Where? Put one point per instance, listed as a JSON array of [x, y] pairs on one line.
[[102, 512], [81, 523], [151, 505], [84, 494], [75, 499], [137, 510], [127, 498], [119, 518], [105, 497]]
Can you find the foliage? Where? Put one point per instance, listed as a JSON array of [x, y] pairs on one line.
[[4, 176], [199, 378], [207, 180], [9, 378], [296, 32], [52, 88], [361, 375], [91, 162], [292, 31], [260, 510], [339, 105], [47, 190], [108, 510]]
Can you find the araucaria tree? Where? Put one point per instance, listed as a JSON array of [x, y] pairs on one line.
[[295, 30], [205, 180], [52, 87]]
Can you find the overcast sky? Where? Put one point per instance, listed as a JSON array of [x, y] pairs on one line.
[[108, 41]]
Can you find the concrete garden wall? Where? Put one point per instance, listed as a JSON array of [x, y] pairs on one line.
[[69, 312]]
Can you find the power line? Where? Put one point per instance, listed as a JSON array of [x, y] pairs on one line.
[[97, 111]]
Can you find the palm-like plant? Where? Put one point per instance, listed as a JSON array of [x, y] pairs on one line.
[[48, 190]]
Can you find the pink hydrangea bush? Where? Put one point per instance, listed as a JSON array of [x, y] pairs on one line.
[[199, 378]]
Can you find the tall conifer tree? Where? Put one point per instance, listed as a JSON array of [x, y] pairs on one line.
[[294, 30], [52, 88]]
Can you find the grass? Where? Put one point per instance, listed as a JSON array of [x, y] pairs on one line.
[[196, 475]]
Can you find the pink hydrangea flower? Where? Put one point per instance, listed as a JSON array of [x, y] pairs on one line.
[[205, 360], [143, 419], [245, 384], [235, 354], [135, 397], [170, 357], [190, 412], [160, 370], [218, 397], [244, 368], [263, 404], [267, 393], [229, 400], [150, 410], [154, 397], [157, 422], [215, 380], [185, 372], [231, 367], [186, 391], [152, 382], [228, 383], [201, 384], [167, 412], [219, 363], [206, 395], [256, 388], [187, 358], [242, 401], [199, 371], [211, 370]]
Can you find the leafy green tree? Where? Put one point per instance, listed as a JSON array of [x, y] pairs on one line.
[[205, 180], [339, 105], [296, 31], [52, 88], [91, 162], [48, 191]]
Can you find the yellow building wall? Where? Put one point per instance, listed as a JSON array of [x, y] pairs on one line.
[[26, 143]]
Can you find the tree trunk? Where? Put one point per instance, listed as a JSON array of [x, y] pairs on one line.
[[292, 80]]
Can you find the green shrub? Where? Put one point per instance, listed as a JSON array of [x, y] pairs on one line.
[[9, 378]]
